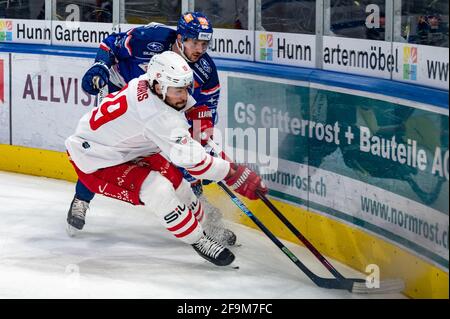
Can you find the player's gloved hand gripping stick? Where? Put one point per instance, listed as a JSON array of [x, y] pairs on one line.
[[102, 90], [354, 285]]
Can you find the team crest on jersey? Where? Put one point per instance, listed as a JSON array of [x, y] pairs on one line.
[[205, 65], [155, 46], [188, 18]]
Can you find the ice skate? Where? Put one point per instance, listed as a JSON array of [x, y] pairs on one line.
[[76, 216], [213, 251]]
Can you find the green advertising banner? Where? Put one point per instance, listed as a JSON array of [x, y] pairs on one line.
[[376, 164]]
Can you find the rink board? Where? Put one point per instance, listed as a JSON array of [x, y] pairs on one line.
[[333, 238], [46, 102], [4, 98], [330, 156]]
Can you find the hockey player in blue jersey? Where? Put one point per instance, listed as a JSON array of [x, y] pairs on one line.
[[124, 56]]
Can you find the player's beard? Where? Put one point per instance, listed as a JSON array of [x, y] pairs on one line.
[[177, 106]]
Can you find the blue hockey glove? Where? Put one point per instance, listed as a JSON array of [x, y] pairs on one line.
[[95, 78]]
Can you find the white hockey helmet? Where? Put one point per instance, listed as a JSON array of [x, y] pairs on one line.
[[169, 69]]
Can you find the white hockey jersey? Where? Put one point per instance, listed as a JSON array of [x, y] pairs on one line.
[[136, 123]]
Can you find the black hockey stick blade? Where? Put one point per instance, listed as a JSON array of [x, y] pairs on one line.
[[329, 283], [353, 285]]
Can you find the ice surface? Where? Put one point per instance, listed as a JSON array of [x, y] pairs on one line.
[[123, 252]]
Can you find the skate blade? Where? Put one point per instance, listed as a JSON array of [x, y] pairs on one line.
[[71, 231], [231, 267]]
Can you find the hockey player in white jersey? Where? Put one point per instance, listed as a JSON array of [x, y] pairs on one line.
[[128, 148]]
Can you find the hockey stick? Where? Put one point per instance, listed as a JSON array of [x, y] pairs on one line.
[[103, 91], [354, 285], [330, 283], [359, 286]]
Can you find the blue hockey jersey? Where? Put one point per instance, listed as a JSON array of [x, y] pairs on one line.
[[128, 53]]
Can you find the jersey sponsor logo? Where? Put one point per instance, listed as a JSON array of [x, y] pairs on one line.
[[155, 46], [202, 71], [102, 189], [205, 65], [182, 140], [147, 53], [123, 195], [120, 181], [173, 215], [204, 114]]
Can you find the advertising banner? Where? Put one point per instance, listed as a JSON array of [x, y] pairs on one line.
[[25, 31], [47, 99], [235, 44], [80, 34], [422, 65], [286, 48], [364, 57], [375, 164]]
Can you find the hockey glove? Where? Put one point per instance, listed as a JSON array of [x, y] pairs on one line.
[[200, 118], [245, 182], [95, 78]]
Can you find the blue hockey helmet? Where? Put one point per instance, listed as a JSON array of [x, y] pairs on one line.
[[194, 25]]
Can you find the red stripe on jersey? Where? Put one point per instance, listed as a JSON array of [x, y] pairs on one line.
[[199, 207], [199, 210], [182, 223], [127, 44], [202, 162], [202, 171], [104, 47], [189, 230], [209, 91], [200, 215]]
